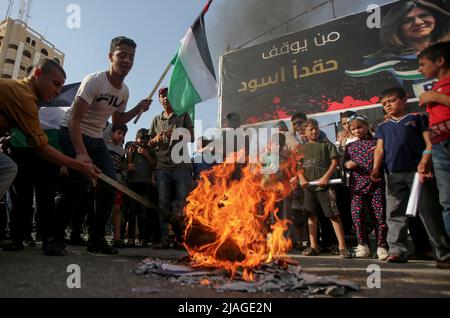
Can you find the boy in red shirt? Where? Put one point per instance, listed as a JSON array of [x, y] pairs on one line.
[[434, 61]]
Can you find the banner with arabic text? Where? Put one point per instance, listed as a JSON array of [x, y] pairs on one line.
[[332, 67]]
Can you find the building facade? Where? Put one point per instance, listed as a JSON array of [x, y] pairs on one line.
[[22, 47]]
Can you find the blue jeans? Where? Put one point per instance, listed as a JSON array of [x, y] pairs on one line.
[[441, 164], [172, 204], [79, 183], [8, 171]]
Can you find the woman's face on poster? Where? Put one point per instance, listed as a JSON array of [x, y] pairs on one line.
[[418, 24]]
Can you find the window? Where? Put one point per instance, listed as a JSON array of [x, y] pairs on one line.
[[33, 43], [13, 46], [57, 60], [6, 76], [28, 40], [45, 52], [27, 54], [9, 61]]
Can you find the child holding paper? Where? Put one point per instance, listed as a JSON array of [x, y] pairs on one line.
[[367, 196], [403, 145], [320, 160]]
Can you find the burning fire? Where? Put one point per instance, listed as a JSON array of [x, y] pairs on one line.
[[232, 220]]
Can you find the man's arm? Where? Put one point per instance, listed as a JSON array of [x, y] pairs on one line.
[[79, 110], [378, 160], [120, 119], [51, 154], [434, 97]]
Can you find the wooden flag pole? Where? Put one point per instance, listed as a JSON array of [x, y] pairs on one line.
[[128, 192], [154, 90]]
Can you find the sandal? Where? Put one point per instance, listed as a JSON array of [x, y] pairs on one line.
[[345, 253], [310, 252]]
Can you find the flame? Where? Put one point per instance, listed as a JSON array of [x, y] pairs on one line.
[[232, 218]]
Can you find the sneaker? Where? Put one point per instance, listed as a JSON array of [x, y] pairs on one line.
[[54, 247], [362, 251], [13, 246], [30, 242], [101, 247], [118, 244], [345, 253], [309, 251], [396, 258], [382, 253]]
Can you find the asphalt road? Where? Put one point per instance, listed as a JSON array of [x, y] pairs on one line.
[[30, 274]]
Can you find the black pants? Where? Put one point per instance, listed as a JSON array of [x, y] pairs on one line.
[[147, 219], [38, 176]]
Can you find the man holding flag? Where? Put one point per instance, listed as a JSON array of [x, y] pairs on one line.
[[168, 172], [192, 82]]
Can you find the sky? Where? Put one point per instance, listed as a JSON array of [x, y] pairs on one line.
[[157, 26]]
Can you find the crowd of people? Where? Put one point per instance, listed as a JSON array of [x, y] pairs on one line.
[[56, 169]]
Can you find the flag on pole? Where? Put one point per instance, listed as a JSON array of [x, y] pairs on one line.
[[193, 79]]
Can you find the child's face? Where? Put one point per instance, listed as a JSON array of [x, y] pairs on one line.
[[359, 129], [118, 136], [312, 133], [393, 105], [344, 123], [429, 68]]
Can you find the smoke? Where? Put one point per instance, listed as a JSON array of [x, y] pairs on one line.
[[232, 23]]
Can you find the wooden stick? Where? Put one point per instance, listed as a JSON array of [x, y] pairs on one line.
[[154, 90], [128, 192]]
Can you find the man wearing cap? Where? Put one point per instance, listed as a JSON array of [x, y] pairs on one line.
[[100, 95], [168, 172]]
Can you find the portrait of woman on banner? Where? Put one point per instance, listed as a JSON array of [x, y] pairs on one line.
[[407, 29]]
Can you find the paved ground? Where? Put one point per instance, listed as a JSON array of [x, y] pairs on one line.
[[29, 273]]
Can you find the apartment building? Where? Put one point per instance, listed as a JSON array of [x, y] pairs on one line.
[[22, 47]]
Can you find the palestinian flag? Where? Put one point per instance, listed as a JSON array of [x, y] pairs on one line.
[[65, 98], [193, 79]]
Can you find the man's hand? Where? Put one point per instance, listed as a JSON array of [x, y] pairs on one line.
[[84, 157], [168, 133], [144, 105], [89, 169], [158, 138], [350, 165], [428, 97], [64, 172]]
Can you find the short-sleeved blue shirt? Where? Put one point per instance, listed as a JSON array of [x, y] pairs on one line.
[[403, 142]]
